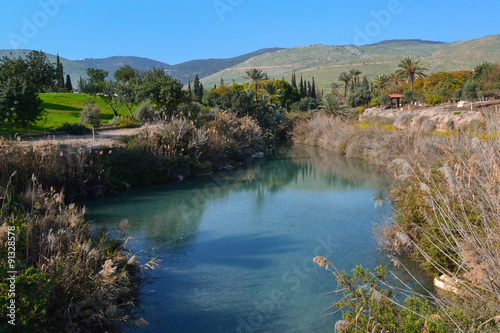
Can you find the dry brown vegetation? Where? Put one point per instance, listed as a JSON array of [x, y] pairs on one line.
[[447, 202]]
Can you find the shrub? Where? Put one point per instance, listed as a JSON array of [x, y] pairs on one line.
[[470, 90], [385, 99], [409, 96], [74, 129], [91, 114], [361, 110], [375, 101], [434, 100], [360, 97], [305, 104], [122, 121], [145, 112]]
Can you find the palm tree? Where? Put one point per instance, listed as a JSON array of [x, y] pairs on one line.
[[330, 104], [355, 73], [255, 75], [381, 82], [346, 78], [395, 78], [272, 92], [410, 67]]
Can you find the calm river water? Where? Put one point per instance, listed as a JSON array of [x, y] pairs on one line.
[[236, 250]]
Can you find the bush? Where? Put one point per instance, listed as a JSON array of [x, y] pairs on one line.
[[361, 110], [375, 102], [74, 129], [122, 121], [305, 104], [409, 96], [434, 100], [145, 112], [91, 114], [470, 90], [360, 97]]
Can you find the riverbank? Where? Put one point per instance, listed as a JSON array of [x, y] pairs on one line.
[[447, 200], [64, 274]]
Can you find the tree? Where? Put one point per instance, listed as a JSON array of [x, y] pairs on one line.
[[91, 115], [345, 78], [470, 90], [313, 89], [127, 95], [109, 94], [289, 94], [163, 90], [330, 104], [395, 79], [255, 75], [59, 74], [198, 88], [68, 84], [41, 71], [294, 81], [125, 73], [95, 83], [302, 88], [410, 68], [19, 101], [272, 91], [355, 73], [382, 82]]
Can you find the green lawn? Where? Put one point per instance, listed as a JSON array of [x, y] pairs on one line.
[[63, 108]]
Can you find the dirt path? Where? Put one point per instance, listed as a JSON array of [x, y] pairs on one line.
[[103, 138]]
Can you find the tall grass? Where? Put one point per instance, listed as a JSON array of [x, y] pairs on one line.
[[66, 280], [448, 213]]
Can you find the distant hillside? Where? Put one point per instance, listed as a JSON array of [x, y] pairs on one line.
[[404, 42], [326, 62], [111, 64], [187, 70]]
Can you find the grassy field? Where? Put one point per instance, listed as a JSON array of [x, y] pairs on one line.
[[63, 108]]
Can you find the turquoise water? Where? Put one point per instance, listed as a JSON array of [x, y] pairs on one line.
[[236, 250]]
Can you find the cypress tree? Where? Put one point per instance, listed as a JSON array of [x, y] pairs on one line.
[[302, 89], [59, 73], [69, 86], [200, 96], [294, 81], [313, 92], [189, 87], [197, 90], [309, 89]]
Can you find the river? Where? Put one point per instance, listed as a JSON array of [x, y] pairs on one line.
[[236, 249]]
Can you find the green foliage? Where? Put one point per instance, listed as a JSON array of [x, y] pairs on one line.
[[409, 96], [490, 81], [74, 129], [434, 100], [91, 114], [145, 112], [41, 72], [410, 68], [122, 121], [330, 104], [305, 104], [368, 304], [441, 84], [19, 102], [361, 110], [470, 90], [125, 74], [361, 96], [163, 90]]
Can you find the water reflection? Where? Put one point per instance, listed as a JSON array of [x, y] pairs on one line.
[[232, 242]]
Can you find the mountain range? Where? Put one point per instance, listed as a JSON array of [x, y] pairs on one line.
[[323, 62]]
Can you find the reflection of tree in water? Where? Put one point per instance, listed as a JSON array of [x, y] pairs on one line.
[[172, 214]]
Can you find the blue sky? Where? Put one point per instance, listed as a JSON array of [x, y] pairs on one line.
[[174, 31]]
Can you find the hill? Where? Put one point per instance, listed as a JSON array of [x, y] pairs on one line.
[[187, 70], [111, 64], [326, 62]]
